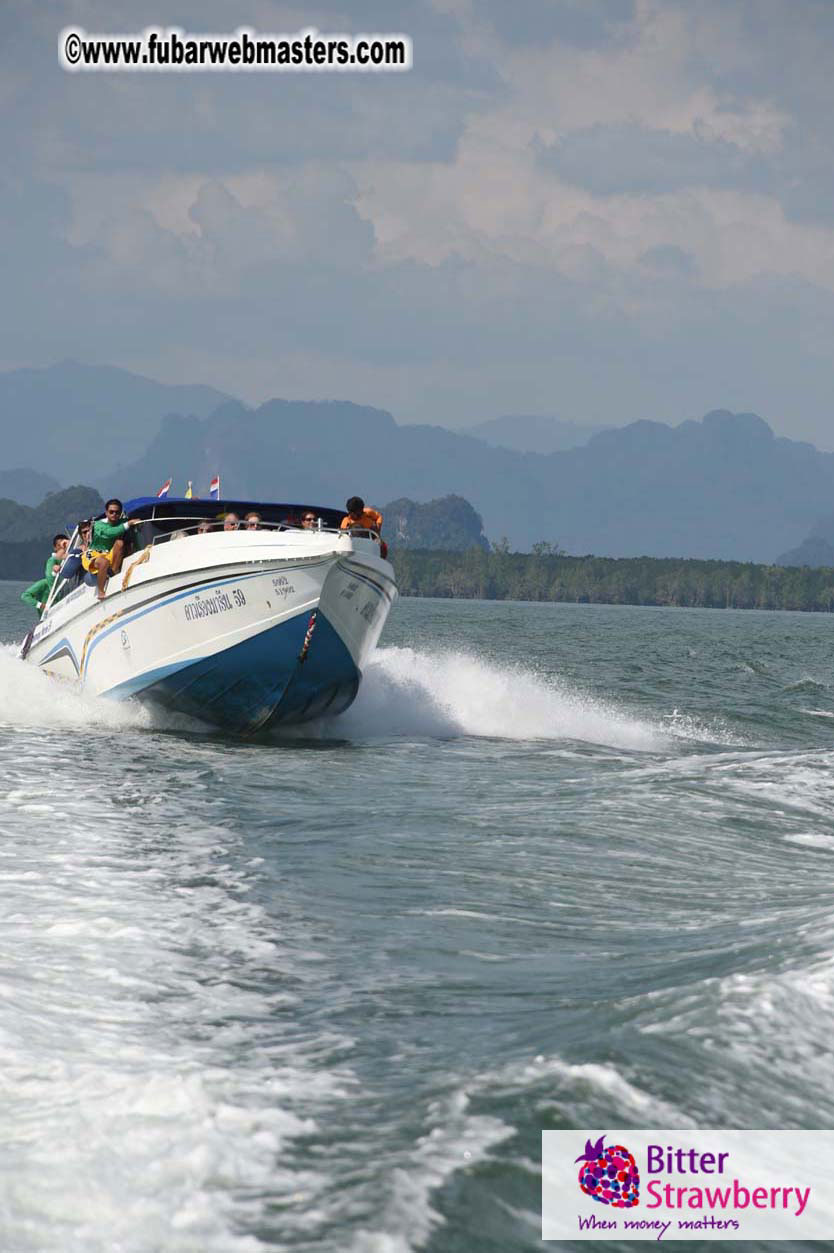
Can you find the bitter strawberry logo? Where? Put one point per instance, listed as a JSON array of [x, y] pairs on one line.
[[609, 1175]]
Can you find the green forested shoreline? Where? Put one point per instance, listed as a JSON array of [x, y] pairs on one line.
[[502, 575]]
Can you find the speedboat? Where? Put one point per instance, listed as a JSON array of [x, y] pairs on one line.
[[244, 629]]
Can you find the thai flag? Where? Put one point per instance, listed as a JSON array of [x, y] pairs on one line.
[[214, 488], [164, 489]]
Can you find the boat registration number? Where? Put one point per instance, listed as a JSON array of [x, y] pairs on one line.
[[203, 606]]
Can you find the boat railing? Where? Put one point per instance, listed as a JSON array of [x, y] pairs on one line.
[[214, 526]]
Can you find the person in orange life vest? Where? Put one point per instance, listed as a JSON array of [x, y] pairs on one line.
[[361, 517]]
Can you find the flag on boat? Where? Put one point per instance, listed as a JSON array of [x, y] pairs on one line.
[[164, 489], [214, 488], [189, 491]]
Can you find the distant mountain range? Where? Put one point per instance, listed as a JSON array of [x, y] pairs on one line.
[[531, 433], [323, 452], [721, 487], [75, 422]]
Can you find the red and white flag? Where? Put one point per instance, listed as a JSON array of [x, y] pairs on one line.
[[214, 488], [164, 489]]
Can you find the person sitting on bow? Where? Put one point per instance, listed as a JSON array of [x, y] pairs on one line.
[[106, 553]]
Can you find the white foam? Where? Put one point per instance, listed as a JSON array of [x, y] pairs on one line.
[[150, 1098], [800, 782], [583, 1082], [406, 692], [812, 839], [32, 698], [455, 1140]]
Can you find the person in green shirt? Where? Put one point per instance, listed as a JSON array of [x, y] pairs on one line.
[[38, 594], [60, 544], [106, 553]]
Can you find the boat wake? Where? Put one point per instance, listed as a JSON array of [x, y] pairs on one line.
[[406, 692], [155, 1075]]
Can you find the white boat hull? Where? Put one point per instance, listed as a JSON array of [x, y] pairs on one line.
[[242, 630]]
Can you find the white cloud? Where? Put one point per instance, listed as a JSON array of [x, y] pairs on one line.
[[496, 198], [428, 236]]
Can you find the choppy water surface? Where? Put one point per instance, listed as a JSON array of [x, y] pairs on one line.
[[559, 866]]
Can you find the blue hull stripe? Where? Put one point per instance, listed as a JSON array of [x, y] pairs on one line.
[[371, 582], [62, 649], [259, 681]]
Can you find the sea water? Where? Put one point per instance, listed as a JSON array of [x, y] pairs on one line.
[[559, 866]]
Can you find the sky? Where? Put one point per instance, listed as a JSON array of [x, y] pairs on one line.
[[601, 210]]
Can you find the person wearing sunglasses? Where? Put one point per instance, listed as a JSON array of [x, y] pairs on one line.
[[107, 548]]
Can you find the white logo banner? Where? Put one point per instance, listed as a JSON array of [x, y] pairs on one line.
[[687, 1185]]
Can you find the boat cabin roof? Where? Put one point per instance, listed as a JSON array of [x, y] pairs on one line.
[[177, 508]]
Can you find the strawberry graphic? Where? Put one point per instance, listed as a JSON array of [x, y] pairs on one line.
[[609, 1175]]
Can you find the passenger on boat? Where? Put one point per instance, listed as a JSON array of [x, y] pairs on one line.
[[71, 568], [231, 522], [37, 595], [204, 527], [82, 543], [361, 517], [252, 521], [60, 544], [308, 520], [106, 553], [181, 534]]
